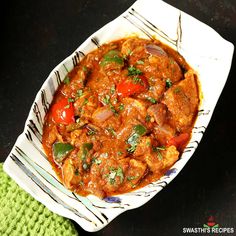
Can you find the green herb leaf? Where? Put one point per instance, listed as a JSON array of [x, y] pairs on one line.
[[162, 148], [96, 161], [148, 118], [106, 99], [79, 93], [66, 80], [113, 109], [129, 52], [112, 56], [152, 100], [134, 71], [137, 80], [71, 99], [85, 68], [113, 89], [157, 150], [60, 151], [114, 173], [111, 131], [86, 147], [129, 178], [132, 148], [91, 132], [168, 83], [121, 107], [140, 62], [139, 130], [120, 174], [85, 101]]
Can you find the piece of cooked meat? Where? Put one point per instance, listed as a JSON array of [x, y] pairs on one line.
[[182, 101], [137, 170], [170, 156], [70, 173]]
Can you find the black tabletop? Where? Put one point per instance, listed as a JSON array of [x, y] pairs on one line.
[[37, 35]]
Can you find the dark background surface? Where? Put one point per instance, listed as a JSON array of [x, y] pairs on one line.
[[37, 35]]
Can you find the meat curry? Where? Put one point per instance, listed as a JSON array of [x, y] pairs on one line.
[[121, 118]]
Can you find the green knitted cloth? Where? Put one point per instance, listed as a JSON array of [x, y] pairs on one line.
[[21, 214]]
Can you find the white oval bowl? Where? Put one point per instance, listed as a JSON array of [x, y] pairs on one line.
[[27, 163]]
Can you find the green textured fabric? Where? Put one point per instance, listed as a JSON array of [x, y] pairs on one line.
[[22, 215]]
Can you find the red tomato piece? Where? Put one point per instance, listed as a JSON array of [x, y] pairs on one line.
[[63, 112], [128, 87], [179, 140]]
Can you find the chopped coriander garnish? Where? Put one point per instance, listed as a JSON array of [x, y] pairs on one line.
[[168, 83], [85, 68], [162, 148], [140, 62], [113, 109], [112, 56], [111, 131], [67, 106], [66, 80], [113, 89], [138, 131], [132, 148], [120, 173], [106, 99], [71, 99], [115, 173], [119, 153], [86, 147], [148, 118], [137, 80], [129, 52], [85, 101], [129, 178], [79, 93], [96, 161], [152, 100], [76, 172], [157, 150], [148, 143], [134, 71], [91, 132], [121, 107]]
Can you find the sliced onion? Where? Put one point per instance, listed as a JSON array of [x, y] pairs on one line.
[[158, 111], [155, 50], [102, 114]]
